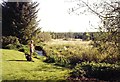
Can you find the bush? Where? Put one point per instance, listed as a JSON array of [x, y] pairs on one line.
[[78, 72], [71, 54], [101, 71], [35, 55], [50, 59], [63, 54], [39, 48], [62, 61], [11, 46], [24, 48], [9, 40]]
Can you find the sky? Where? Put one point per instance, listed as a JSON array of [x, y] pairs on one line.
[[54, 17]]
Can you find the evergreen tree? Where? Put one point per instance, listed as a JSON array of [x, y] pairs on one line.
[[19, 19]]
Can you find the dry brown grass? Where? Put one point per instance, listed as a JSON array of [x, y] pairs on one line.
[[70, 42]]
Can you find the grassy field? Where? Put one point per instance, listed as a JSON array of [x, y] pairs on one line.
[[68, 42], [15, 67]]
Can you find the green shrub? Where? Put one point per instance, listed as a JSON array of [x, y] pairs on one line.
[[71, 53], [39, 48], [58, 60], [101, 71], [62, 61], [74, 54], [78, 72], [11, 46], [24, 48], [35, 55], [50, 59], [9, 40]]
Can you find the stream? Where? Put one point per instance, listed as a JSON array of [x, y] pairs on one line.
[[39, 52]]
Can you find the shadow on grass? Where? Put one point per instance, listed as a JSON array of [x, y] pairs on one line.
[[19, 60], [35, 80]]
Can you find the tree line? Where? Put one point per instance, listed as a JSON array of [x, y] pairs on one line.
[[73, 35]]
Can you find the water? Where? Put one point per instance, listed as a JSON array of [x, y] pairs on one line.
[[39, 52]]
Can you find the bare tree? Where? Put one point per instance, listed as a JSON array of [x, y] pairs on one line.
[[108, 38]]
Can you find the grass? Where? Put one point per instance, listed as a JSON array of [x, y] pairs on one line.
[[70, 42], [15, 67], [82, 50], [75, 51]]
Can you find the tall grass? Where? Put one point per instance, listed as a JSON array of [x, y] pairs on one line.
[[75, 54], [67, 53]]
